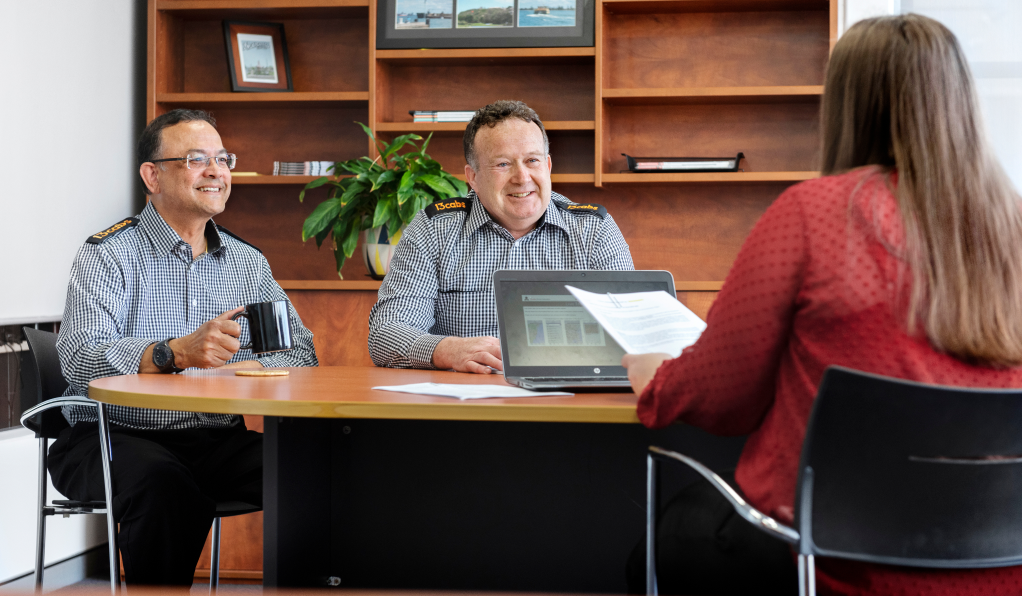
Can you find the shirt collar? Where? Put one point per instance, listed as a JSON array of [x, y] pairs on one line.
[[479, 216], [165, 239]]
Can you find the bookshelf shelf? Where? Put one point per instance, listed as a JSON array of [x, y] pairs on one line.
[[692, 6], [735, 177], [265, 100], [557, 178], [487, 56], [716, 95], [262, 9], [427, 127], [272, 180]]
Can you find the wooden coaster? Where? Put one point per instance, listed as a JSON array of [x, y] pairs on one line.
[[271, 372]]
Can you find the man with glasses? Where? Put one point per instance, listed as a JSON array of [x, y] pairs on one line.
[[155, 294]]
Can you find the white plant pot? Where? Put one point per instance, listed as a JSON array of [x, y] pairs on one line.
[[377, 248]]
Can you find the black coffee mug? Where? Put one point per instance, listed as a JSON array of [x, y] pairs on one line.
[[269, 327]]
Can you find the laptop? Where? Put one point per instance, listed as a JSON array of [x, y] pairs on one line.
[[550, 341]]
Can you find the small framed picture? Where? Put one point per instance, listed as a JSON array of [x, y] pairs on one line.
[[257, 56]]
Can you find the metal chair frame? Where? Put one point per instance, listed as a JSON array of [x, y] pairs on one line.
[[840, 390], [68, 508]]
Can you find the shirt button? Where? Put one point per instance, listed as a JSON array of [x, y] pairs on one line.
[[194, 302]]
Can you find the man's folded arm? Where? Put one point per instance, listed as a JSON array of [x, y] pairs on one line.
[[90, 344]]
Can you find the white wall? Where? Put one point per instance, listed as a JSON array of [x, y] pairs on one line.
[[19, 461], [68, 122], [988, 32], [71, 106]]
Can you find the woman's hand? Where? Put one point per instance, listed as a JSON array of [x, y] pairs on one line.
[[641, 368]]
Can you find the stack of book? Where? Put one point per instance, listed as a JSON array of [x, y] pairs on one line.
[[441, 115], [302, 168]]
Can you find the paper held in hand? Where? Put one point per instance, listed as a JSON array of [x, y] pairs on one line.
[[643, 322]]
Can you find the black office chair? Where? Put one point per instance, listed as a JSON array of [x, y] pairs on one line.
[[42, 386], [893, 472]]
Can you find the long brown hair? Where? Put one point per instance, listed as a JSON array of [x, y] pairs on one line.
[[899, 95]]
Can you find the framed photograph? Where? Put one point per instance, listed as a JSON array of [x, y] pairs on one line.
[[257, 56], [404, 24]]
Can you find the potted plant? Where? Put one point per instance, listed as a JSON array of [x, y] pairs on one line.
[[377, 197]]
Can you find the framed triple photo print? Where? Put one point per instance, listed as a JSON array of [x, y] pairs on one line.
[[484, 23], [257, 56]]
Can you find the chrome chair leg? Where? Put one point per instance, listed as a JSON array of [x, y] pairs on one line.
[[40, 530], [106, 450], [652, 471], [806, 575], [214, 558]]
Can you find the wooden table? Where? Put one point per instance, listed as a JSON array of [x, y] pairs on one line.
[[399, 491], [346, 392]]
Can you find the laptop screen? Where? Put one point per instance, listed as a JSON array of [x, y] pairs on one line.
[[543, 326]]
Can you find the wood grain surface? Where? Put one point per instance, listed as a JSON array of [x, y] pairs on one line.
[[346, 392], [723, 49], [775, 137]]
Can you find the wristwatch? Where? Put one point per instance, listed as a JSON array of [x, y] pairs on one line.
[[163, 357]]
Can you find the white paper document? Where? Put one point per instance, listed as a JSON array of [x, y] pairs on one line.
[[467, 391], [644, 322]]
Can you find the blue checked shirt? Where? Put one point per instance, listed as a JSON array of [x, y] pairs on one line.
[[141, 286], [440, 281]]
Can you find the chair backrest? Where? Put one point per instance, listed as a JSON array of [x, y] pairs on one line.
[[904, 473], [42, 379]]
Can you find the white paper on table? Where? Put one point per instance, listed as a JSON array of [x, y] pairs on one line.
[[467, 391], [644, 322]]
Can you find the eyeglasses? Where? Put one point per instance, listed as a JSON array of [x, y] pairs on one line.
[[201, 162]]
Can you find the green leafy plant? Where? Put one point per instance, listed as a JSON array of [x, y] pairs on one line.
[[368, 193]]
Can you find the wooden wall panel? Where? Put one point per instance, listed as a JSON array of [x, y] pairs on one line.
[[572, 150], [557, 91], [775, 137], [698, 302], [692, 230], [325, 55], [719, 49], [271, 218], [260, 136], [339, 321]]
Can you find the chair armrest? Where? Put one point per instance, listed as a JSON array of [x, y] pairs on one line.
[[748, 512], [30, 421]]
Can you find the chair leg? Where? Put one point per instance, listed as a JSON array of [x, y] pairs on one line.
[[40, 530], [652, 491], [806, 575], [214, 558], [106, 450]]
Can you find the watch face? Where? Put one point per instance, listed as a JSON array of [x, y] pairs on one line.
[[162, 354]]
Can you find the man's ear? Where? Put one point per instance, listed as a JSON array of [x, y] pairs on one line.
[[470, 176], [149, 178], [549, 163]]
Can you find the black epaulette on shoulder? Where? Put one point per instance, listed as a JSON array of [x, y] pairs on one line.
[[237, 237], [117, 228], [446, 206], [593, 208]]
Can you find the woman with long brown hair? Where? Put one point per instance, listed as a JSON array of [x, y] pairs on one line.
[[904, 259]]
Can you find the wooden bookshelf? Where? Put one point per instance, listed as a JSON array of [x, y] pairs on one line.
[[664, 77], [307, 99]]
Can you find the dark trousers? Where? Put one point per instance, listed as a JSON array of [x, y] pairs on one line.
[[704, 547], [166, 484]]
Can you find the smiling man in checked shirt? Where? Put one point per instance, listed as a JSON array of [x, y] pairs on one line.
[[154, 294], [436, 306]]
